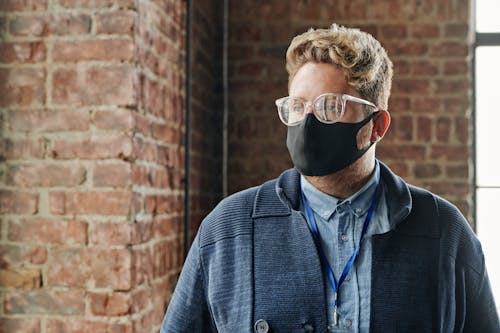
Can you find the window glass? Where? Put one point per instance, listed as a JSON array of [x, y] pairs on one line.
[[487, 116], [487, 12]]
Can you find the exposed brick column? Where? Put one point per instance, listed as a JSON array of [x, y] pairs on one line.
[[92, 109], [429, 142]]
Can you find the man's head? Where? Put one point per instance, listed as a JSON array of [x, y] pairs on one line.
[[339, 86], [364, 62]]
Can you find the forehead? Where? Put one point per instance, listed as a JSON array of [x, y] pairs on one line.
[[313, 79]]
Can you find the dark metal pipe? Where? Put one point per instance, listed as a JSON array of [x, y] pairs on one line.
[[187, 133]]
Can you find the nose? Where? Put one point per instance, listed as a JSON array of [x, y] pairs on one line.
[[308, 108]]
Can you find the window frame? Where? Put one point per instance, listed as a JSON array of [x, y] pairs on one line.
[[481, 39]]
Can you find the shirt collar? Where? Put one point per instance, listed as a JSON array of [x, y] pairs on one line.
[[325, 205]]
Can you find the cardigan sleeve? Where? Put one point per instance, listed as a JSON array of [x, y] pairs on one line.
[[188, 310], [482, 313]]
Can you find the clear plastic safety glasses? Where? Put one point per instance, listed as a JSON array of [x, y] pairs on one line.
[[328, 108]]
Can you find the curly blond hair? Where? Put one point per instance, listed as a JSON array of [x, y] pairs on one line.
[[359, 55]]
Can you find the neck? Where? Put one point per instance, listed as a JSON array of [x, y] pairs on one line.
[[344, 183]]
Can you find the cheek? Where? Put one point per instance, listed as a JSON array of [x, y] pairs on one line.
[[364, 135]]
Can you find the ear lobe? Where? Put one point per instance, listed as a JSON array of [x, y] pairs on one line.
[[381, 122]]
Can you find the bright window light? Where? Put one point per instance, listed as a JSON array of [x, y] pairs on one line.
[[487, 16], [487, 116]]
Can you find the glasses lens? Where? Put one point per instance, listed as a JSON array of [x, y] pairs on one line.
[[328, 107], [291, 110]]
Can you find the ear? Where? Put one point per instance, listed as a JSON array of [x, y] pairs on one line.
[[381, 122]]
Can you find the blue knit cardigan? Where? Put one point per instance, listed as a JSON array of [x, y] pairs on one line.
[[254, 258]]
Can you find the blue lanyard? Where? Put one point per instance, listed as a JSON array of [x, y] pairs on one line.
[[331, 278]]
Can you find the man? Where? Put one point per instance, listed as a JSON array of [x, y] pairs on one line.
[[339, 243]]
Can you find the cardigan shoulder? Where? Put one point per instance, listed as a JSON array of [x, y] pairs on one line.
[[447, 222], [230, 218]]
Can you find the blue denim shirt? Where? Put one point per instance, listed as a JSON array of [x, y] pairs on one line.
[[340, 223]]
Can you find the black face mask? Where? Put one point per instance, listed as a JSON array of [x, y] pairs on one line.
[[318, 149]]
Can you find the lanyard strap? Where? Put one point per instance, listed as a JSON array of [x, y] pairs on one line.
[[314, 228]]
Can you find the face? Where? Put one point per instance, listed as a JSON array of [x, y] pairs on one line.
[[314, 79]]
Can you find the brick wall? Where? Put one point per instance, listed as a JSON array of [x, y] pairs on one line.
[[92, 173], [429, 142]]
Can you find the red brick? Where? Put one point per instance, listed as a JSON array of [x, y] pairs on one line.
[[144, 322], [451, 86], [45, 121], [28, 25], [413, 152], [425, 68], [167, 133], [111, 233], [93, 202], [450, 50], [13, 149], [443, 129], [100, 146], [399, 103], [85, 267], [22, 52], [117, 119], [401, 169], [48, 231], [20, 278], [94, 49], [95, 3], [404, 128], [141, 175], [142, 265], [462, 129], [401, 67], [393, 31], [15, 202], [118, 22], [407, 48], [425, 30], [67, 302], [110, 305], [23, 5], [94, 86], [458, 105], [20, 325], [22, 87], [456, 67], [69, 24], [40, 175], [424, 129], [144, 150], [427, 170], [457, 30], [461, 171], [112, 175], [449, 152], [161, 259], [83, 326], [141, 299], [426, 104], [411, 86], [11, 255]]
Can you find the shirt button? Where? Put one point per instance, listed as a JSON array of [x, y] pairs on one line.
[[347, 323], [348, 278], [308, 328], [261, 326], [344, 238], [358, 210]]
